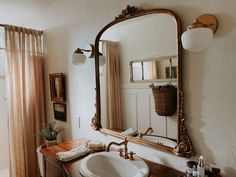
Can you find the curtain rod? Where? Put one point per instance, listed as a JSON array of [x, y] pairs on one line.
[[3, 25]]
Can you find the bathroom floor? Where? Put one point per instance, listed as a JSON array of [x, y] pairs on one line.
[[4, 173]]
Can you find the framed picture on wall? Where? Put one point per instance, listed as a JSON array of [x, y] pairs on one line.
[[59, 111], [57, 87]]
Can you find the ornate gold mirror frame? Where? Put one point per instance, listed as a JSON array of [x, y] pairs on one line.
[[184, 147]]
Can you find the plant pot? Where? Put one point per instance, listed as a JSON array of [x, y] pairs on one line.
[[165, 99], [50, 143]]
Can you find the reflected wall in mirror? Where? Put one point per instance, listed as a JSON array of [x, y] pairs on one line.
[[140, 47], [155, 69]]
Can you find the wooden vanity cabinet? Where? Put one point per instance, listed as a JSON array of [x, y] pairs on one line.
[[55, 168]]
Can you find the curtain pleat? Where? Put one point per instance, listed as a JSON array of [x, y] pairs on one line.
[[24, 48]]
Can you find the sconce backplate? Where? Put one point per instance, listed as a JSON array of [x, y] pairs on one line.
[[209, 20]]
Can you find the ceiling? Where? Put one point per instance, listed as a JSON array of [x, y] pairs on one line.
[[17, 12]]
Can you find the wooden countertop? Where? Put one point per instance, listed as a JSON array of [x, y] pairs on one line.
[[72, 170]]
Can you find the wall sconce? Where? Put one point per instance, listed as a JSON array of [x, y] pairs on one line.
[[79, 56], [199, 35]]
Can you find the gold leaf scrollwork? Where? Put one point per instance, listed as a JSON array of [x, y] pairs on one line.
[[94, 124], [184, 147], [129, 11]]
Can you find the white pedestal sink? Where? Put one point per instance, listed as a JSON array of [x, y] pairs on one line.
[[110, 164]]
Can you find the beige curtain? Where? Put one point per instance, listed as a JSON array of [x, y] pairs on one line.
[[113, 95], [24, 49]]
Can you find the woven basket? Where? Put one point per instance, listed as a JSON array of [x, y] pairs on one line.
[[165, 99]]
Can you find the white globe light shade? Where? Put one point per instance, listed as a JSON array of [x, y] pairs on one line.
[[197, 39], [77, 59]]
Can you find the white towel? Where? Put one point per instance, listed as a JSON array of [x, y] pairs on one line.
[[73, 153], [95, 145], [129, 132]]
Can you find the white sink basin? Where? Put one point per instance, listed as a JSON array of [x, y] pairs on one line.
[[110, 164]]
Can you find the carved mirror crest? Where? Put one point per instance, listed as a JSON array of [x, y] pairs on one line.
[[142, 47]]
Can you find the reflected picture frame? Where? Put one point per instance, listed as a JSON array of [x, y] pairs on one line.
[[171, 71], [59, 110], [57, 87]]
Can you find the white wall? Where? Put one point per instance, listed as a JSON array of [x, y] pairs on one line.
[[209, 77]]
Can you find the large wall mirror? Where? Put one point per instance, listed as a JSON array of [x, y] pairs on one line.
[[141, 47]]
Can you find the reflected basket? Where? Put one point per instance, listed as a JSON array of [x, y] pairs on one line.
[[165, 99]]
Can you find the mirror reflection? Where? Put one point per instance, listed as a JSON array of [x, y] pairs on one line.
[[156, 69], [138, 52]]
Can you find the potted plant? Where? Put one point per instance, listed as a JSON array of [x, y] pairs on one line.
[[165, 99], [50, 133]]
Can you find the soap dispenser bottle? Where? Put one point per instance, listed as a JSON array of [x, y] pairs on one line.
[[201, 167]]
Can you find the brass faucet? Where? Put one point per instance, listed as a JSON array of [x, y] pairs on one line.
[[125, 142], [149, 130]]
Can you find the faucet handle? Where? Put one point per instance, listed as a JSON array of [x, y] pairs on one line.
[[121, 152], [131, 155], [140, 134], [126, 141]]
